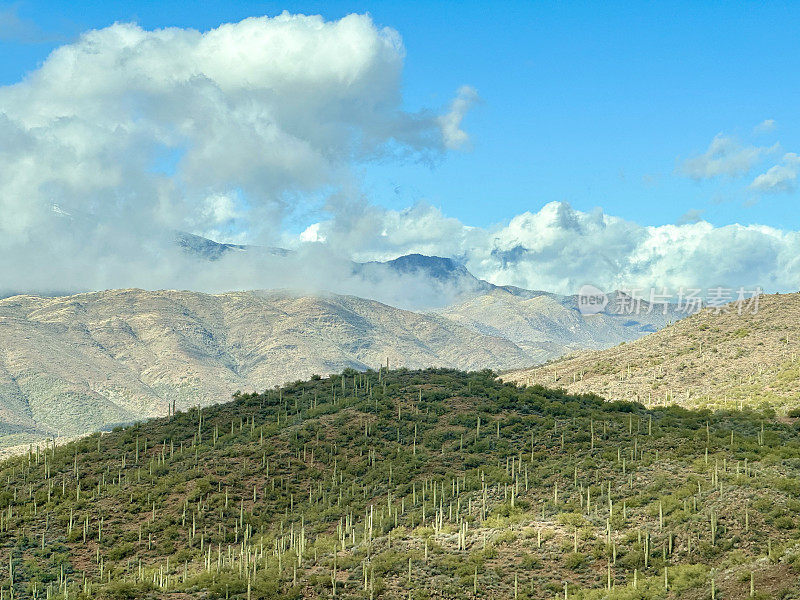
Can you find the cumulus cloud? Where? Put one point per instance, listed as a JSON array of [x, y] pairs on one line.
[[780, 178], [127, 135], [622, 254], [724, 156], [133, 134], [311, 234], [559, 249]]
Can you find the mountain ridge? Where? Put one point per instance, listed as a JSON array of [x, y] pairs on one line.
[[77, 363], [74, 364]]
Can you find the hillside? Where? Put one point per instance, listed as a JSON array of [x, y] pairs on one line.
[[718, 360], [74, 364], [428, 484]]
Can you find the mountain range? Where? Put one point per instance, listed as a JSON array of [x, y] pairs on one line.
[[78, 363]]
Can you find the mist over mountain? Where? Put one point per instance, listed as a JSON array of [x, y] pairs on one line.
[[412, 281], [201, 247], [435, 268], [76, 363]]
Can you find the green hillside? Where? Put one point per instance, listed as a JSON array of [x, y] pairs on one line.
[[410, 484]]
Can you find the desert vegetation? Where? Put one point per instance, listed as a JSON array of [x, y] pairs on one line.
[[410, 484], [713, 359]]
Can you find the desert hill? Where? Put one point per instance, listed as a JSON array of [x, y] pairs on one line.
[[74, 364], [547, 326], [420, 484], [708, 359]]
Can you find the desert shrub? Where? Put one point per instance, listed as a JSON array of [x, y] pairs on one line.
[[120, 551], [574, 560]]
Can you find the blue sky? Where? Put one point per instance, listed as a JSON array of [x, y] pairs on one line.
[[593, 105], [544, 145]]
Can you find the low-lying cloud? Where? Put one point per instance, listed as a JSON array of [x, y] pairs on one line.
[[559, 249]]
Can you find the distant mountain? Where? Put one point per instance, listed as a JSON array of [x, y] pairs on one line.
[[74, 364], [203, 247], [207, 249], [547, 325], [451, 278], [435, 267], [432, 270], [710, 360]]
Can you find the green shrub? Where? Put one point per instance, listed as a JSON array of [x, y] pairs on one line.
[[574, 560], [120, 551]]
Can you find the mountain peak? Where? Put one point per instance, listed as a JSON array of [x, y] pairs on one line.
[[436, 267]]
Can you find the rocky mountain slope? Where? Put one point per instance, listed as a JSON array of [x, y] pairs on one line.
[[547, 326], [74, 364], [708, 359]]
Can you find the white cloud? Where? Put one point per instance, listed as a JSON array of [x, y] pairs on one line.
[[136, 133], [454, 136], [724, 156], [766, 126], [312, 234], [594, 247], [559, 249], [368, 232], [780, 178], [127, 134], [219, 210]]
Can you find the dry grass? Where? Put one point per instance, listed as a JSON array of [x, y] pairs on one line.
[[710, 360]]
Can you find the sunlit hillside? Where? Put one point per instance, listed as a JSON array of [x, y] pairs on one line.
[[421, 484], [728, 360]]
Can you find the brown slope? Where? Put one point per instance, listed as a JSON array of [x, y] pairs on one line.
[[708, 359], [74, 364], [548, 326]]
